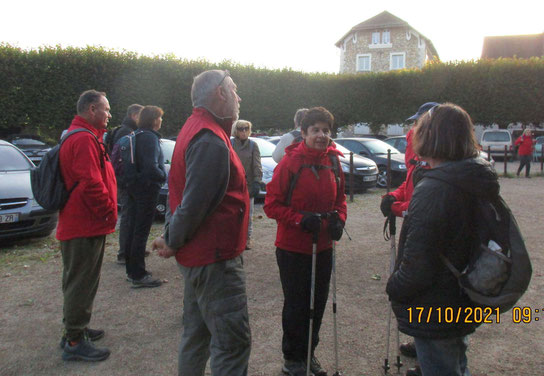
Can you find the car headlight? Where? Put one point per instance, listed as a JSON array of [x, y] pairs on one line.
[[345, 167], [402, 167]]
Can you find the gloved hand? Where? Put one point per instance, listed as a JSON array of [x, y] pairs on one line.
[[385, 206], [336, 227], [254, 189], [311, 223]]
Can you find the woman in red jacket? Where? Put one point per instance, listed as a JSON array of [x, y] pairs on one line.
[[525, 142], [306, 196]]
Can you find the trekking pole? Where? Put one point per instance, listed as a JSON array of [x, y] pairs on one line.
[[312, 295], [335, 331]]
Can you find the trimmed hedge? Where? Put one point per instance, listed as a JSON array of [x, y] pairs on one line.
[[39, 89]]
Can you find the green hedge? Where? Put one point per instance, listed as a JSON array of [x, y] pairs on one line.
[[39, 89]]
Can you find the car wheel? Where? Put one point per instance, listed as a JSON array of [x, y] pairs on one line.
[[382, 177]]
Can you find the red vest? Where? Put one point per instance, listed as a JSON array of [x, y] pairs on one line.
[[222, 235]]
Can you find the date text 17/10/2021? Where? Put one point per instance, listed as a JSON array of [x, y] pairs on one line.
[[472, 315]]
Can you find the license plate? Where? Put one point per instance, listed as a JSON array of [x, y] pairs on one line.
[[9, 218], [370, 178]]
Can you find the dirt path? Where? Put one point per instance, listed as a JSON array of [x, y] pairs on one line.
[[143, 326]]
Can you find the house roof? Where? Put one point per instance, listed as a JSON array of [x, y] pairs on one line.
[[385, 20], [521, 46]]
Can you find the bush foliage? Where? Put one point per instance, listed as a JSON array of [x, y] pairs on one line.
[[39, 89]]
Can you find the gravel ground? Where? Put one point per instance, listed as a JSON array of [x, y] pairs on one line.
[[143, 326]]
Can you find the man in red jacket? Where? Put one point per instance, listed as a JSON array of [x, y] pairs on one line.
[[207, 232], [89, 214]]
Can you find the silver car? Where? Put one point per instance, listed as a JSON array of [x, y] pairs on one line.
[[20, 214]]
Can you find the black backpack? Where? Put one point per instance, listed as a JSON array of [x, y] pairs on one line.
[[46, 180], [110, 138], [123, 159], [499, 270]]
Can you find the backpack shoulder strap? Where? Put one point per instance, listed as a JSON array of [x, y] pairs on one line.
[[88, 131]]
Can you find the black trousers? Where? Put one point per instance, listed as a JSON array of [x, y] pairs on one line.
[[525, 161], [135, 228], [295, 274]]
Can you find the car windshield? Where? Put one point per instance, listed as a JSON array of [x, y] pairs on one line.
[[379, 147], [27, 142], [496, 137], [540, 140], [265, 148], [342, 149], [12, 160], [167, 147]]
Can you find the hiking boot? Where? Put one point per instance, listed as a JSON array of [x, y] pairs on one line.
[[146, 281], [84, 350], [315, 367], [294, 368], [92, 334], [415, 371], [408, 349]]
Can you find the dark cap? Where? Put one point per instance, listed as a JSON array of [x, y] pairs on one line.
[[423, 109]]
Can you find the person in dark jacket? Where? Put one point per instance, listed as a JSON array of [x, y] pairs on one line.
[[143, 196], [128, 125], [250, 156], [318, 189], [88, 216], [440, 220], [525, 152]]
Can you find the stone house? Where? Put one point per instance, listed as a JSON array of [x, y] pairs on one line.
[[383, 43]]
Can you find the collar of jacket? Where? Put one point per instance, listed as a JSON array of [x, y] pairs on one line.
[[79, 121], [224, 123], [152, 131], [301, 149]]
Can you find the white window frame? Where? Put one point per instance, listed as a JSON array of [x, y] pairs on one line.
[[357, 68], [403, 54], [376, 37], [384, 33]]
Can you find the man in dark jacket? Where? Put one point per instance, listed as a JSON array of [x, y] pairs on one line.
[[128, 125], [207, 232], [89, 214]]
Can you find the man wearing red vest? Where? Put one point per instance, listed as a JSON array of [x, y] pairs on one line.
[[207, 231]]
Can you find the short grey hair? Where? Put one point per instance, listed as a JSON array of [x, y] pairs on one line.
[[134, 109], [86, 99], [299, 115], [203, 86]]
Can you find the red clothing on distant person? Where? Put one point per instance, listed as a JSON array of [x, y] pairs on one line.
[[403, 194], [525, 145], [91, 209]]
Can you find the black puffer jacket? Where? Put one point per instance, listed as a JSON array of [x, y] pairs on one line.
[[440, 219], [149, 160]]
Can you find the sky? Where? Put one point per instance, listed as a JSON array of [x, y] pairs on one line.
[[296, 34]]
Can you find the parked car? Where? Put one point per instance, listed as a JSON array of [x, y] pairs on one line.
[[399, 143], [495, 140], [167, 147], [365, 171], [20, 214], [268, 164], [376, 150], [274, 139], [33, 147], [537, 152]]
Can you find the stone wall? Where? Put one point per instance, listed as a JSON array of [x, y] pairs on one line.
[[413, 48]]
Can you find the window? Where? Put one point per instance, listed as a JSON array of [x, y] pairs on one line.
[[363, 63], [397, 61], [375, 37], [386, 37]]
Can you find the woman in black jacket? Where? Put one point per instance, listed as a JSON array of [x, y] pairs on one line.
[[440, 220], [143, 195]]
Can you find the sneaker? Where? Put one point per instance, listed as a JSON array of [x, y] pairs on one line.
[[415, 371], [315, 367], [294, 368], [146, 281], [408, 349], [84, 350], [92, 334]]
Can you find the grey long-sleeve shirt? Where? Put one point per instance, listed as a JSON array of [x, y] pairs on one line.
[[207, 176]]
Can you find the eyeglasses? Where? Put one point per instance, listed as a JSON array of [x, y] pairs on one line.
[[242, 129], [227, 74]]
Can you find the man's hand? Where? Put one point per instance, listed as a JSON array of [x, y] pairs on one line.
[[163, 250], [385, 206]]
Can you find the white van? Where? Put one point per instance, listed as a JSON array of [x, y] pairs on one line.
[[495, 140]]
